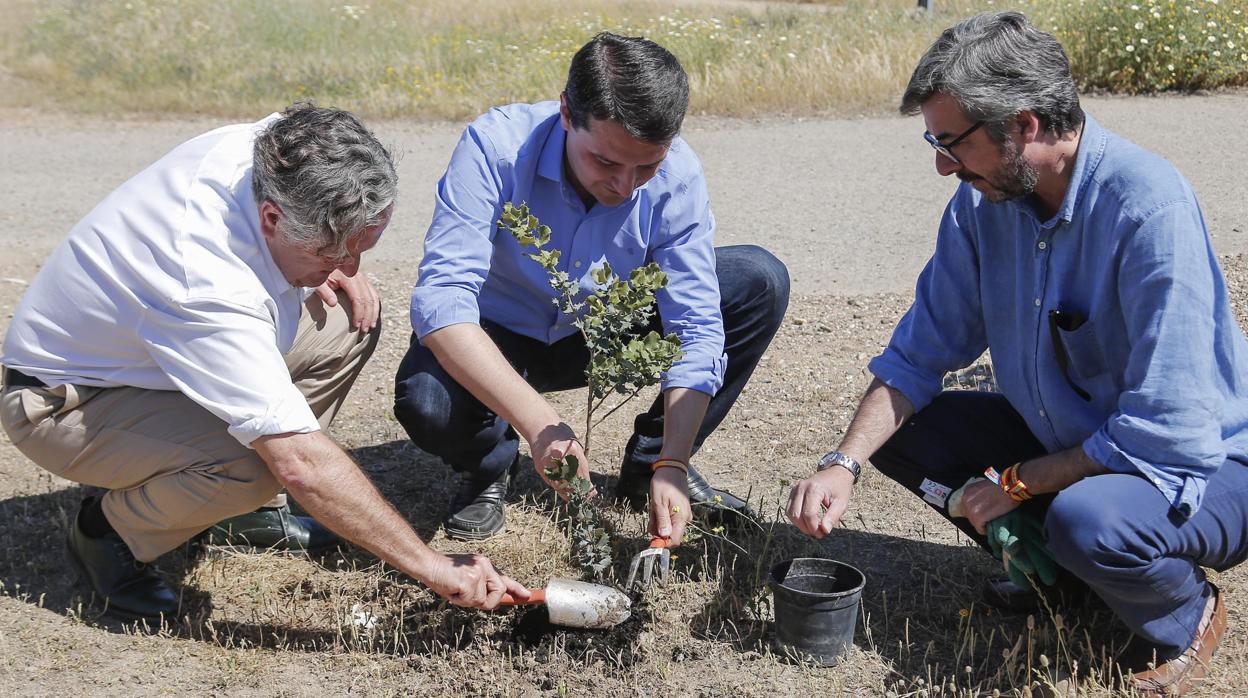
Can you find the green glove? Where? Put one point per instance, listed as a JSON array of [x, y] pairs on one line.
[[1017, 539]]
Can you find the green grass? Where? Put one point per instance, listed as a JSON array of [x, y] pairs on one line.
[[416, 59], [419, 60]]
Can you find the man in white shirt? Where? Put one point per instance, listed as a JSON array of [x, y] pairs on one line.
[[185, 347]]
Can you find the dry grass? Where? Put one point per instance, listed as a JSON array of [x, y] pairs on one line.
[[271, 625], [391, 58]]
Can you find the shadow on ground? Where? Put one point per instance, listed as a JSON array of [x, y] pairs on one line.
[[919, 607]]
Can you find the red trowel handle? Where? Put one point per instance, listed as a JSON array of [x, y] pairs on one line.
[[658, 542], [538, 597]]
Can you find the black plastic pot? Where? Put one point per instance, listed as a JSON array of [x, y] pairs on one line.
[[816, 603]]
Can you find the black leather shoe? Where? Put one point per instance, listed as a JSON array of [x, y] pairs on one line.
[[129, 587], [711, 507], [1005, 595], [275, 529], [476, 510]]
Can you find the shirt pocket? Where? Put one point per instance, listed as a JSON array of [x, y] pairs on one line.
[[1083, 350]]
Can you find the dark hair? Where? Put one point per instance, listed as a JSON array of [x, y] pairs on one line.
[[998, 65], [629, 80], [328, 174]]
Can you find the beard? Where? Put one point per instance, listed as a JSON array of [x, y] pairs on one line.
[[1015, 178]]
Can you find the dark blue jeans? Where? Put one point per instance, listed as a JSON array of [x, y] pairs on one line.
[[444, 419], [1115, 532]]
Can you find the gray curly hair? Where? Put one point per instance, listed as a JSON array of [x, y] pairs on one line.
[[327, 173], [997, 65]]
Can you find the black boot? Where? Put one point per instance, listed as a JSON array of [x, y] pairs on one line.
[[476, 510], [711, 506], [1069, 592], [129, 587], [272, 528]]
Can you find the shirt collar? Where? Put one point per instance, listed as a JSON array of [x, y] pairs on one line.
[[276, 281], [1092, 142], [550, 161]]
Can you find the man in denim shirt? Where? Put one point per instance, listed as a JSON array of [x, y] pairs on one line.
[[1082, 263], [605, 169]]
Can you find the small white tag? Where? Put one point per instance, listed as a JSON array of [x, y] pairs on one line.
[[935, 492]]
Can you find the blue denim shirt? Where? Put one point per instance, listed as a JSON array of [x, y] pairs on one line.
[[471, 270], [1160, 355]]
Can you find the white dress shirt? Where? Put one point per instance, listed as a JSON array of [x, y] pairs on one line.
[[168, 284]]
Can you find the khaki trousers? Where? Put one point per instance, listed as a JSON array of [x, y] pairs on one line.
[[170, 467]]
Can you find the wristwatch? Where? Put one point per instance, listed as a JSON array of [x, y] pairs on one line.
[[838, 458]]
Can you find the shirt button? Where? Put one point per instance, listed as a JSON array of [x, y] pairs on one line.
[[1037, 302], [1042, 413], [1043, 244], [577, 264]]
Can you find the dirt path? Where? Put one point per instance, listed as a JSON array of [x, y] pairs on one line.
[[850, 205]]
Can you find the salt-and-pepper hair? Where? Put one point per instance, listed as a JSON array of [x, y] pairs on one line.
[[327, 173], [997, 65]]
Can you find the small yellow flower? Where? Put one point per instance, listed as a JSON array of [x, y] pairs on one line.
[[964, 612], [675, 508]]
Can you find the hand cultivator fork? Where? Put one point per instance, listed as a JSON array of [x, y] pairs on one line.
[[645, 560]]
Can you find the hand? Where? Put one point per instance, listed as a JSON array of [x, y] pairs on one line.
[[472, 581], [551, 445], [670, 512], [817, 503], [365, 304], [983, 501], [1017, 539]]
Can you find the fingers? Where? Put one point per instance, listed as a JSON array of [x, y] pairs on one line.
[[495, 587], [831, 516], [803, 509], [662, 518], [517, 590], [365, 303], [326, 294], [794, 509]]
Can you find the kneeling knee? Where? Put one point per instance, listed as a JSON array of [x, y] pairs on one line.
[[1085, 534]]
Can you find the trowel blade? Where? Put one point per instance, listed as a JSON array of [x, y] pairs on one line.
[[577, 604]]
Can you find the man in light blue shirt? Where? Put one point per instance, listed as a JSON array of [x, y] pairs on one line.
[[605, 169], [1082, 263]]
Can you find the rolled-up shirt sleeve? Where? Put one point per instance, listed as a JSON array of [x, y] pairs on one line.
[[225, 358], [1167, 425], [689, 305], [459, 243], [944, 329]]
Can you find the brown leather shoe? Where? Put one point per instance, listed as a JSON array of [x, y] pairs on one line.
[[1181, 674]]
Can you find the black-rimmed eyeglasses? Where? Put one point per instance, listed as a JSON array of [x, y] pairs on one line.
[[946, 149]]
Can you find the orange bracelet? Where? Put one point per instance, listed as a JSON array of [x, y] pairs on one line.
[[669, 463], [1013, 486]]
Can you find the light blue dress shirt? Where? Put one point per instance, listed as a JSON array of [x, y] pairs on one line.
[[1160, 355], [472, 270]]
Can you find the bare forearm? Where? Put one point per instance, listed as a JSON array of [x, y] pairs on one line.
[[683, 412], [1057, 471], [880, 414], [326, 482], [468, 354]]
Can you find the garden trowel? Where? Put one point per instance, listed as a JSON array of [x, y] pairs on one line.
[[577, 604]]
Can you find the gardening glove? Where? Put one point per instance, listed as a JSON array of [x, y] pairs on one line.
[[1017, 539]]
